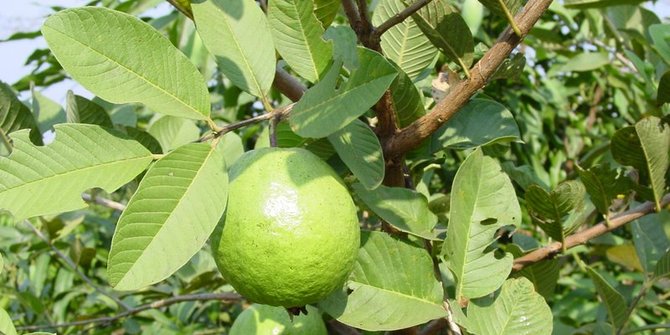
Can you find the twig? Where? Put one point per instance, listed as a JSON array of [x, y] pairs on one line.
[[413, 135], [365, 23], [450, 320], [629, 312], [398, 18], [104, 202], [182, 9], [70, 263], [351, 11], [227, 297], [278, 114], [649, 327], [586, 235]]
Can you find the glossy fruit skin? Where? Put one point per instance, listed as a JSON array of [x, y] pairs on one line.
[[270, 320], [291, 232]]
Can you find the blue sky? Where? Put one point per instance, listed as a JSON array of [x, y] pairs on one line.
[[29, 15]]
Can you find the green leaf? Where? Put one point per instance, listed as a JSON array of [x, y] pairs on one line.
[[14, 115], [650, 239], [326, 10], [50, 179], [447, 30], [238, 34], [614, 301], [231, 147], [173, 132], [407, 100], [6, 325], [511, 68], [297, 36], [47, 112], [583, 62], [603, 185], [404, 209], [271, 320], [585, 4], [404, 43], [145, 139], [660, 33], [344, 45], [92, 45], [87, 111], [494, 5], [396, 278], [482, 201], [516, 309], [663, 94], [549, 209], [2, 263], [181, 198], [663, 266], [645, 147], [543, 274], [359, 148], [480, 122], [325, 109]]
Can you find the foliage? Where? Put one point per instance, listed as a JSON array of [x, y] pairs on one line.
[[531, 199]]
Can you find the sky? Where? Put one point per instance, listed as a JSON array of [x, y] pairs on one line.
[[28, 15]]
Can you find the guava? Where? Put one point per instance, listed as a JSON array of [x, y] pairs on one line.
[[270, 320], [290, 234]]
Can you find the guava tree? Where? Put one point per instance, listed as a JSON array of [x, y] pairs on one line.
[[508, 161]]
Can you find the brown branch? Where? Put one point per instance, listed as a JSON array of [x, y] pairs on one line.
[[586, 235], [351, 11], [288, 85], [71, 264], [226, 297], [413, 135], [366, 25], [103, 202], [398, 18]]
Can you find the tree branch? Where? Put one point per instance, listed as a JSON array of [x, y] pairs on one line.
[[226, 297], [398, 18], [103, 202], [288, 85], [277, 114], [413, 135], [70, 263], [586, 235]]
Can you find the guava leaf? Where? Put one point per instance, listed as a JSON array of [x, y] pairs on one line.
[[650, 239], [2, 263], [265, 319], [480, 122], [548, 209], [494, 5], [404, 209], [603, 185], [326, 10], [238, 34], [515, 310], [645, 147], [407, 100], [613, 300], [404, 43], [663, 93], [50, 179], [6, 325], [663, 266], [359, 148], [46, 111], [173, 132], [482, 201], [298, 37], [395, 277], [325, 109], [543, 274], [447, 30], [345, 44], [181, 198], [86, 111], [14, 115], [92, 45]]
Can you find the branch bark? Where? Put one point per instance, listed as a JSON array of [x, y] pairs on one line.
[[226, 297], [398, 18], [103, 202], [586, 235], [413, 135]]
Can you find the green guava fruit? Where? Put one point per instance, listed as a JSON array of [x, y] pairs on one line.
[[270, 320], [290, 234]]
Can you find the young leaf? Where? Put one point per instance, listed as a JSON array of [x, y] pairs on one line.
[[480, 122], [516, 309], [548, 209], [237, 33], [482, 201], [396, 278], [650, 239], [613, 300], [447, 30], [173, 132], [325, 109], [359, 148], [603, 185], [175, 209], [92, 45], [50, 179], [6, 325], [87, 111], [298, 37], [14, 115], [404, 43], [407, 100], [403, 208], [71, 110], [645, 147], [663, 266]]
